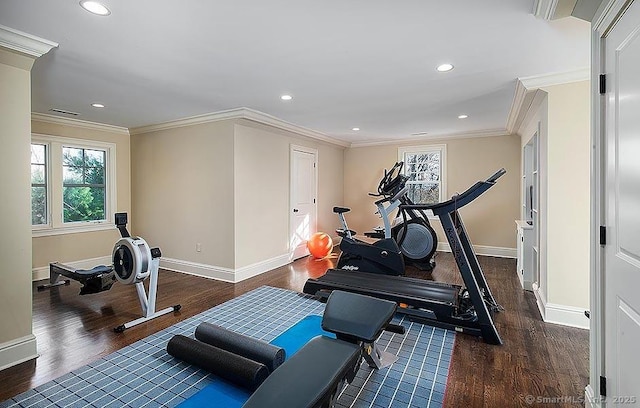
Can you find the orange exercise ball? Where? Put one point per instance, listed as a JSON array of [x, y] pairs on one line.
[[320, 245]]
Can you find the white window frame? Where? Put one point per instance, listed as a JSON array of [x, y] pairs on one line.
[[439, 148], [55, 217]]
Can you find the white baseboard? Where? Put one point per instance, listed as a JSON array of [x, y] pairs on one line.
[[43, 271], [540, 301], [590, 398], [566, 316], [257, 268], [222, 273], [18, 351], [499, 252], [560, 314], [178, 265], [198, 269]]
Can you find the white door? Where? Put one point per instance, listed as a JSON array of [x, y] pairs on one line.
[[303, 199], [622, 211]]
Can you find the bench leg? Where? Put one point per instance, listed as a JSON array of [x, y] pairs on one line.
[[376, 357]]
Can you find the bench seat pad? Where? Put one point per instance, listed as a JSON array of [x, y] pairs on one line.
[[309, 376]]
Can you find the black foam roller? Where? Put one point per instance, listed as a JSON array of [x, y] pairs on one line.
[[237, 369], [254, 349]]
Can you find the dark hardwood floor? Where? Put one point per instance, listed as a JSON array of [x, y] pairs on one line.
[[538, 359]]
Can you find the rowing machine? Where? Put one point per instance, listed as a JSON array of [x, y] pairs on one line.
[[133, 262]]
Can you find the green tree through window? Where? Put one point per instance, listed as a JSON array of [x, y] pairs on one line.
[[39, 184], [83, 172]]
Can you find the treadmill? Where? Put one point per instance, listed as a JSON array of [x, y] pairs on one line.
[[467, 309]]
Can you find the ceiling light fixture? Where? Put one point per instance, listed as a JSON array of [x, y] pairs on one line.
[[286, 97], [97, 105], [463, 116], [95, 7], [355, 129], [444, 68]]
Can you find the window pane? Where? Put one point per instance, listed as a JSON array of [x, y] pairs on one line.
[[424, 193], [72, 156], [94, 175], [83, 203], [423, 166], [38, 205], [37, 174], [72, 175], [38, 154], [39, 184], [94, 158]]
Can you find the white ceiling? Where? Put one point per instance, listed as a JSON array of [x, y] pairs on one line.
[[348, 63]]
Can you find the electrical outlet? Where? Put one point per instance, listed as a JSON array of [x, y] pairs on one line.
[[198, 247]]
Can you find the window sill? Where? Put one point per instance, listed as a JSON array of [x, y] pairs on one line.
[[98, 226]]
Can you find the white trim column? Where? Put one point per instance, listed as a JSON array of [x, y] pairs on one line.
[[18, 51]]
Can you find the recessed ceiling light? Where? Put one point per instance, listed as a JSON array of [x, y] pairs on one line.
[[463, 116], [444, 68], [95, 7], [286, 97], [355, 129], [97, 105]]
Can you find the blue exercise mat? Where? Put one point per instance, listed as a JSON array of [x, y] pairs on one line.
[[224, 394]]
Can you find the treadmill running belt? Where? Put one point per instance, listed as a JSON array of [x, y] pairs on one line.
[[398, 288]]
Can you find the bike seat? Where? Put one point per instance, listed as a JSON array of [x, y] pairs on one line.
[[341, 210], [341, 232]]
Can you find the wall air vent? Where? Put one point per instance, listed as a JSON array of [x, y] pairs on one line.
[[64, 112]]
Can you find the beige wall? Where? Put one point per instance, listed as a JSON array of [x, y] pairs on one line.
[[489, 219], [182, 192], [85, 245], [15, 207], [564, 119], [223, 185], [568, 194], [262, 171]]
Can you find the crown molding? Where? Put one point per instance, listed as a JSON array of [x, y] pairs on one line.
[[535, 102], [516, 110], [526, 88], [239, 113], [42, 117], [554, 9], [269, 120], [556, 78], [24, 43], [189, 121], [545, 9], [452, 136]]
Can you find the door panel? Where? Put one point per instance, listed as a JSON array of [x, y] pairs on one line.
[[622, 206], [628, 334], [303, 200]]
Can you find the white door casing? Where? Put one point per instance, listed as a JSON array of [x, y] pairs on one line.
[[303, 192], [622, 211]]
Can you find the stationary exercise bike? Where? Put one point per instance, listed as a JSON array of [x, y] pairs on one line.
[[383, 256], [411, 228]]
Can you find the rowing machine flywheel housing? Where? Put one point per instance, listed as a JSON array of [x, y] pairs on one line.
[[131, 260]]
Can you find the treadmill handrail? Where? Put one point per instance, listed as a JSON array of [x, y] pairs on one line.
[[458, 200]]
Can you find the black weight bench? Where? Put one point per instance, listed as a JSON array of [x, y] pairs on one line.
[[315, 375]]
